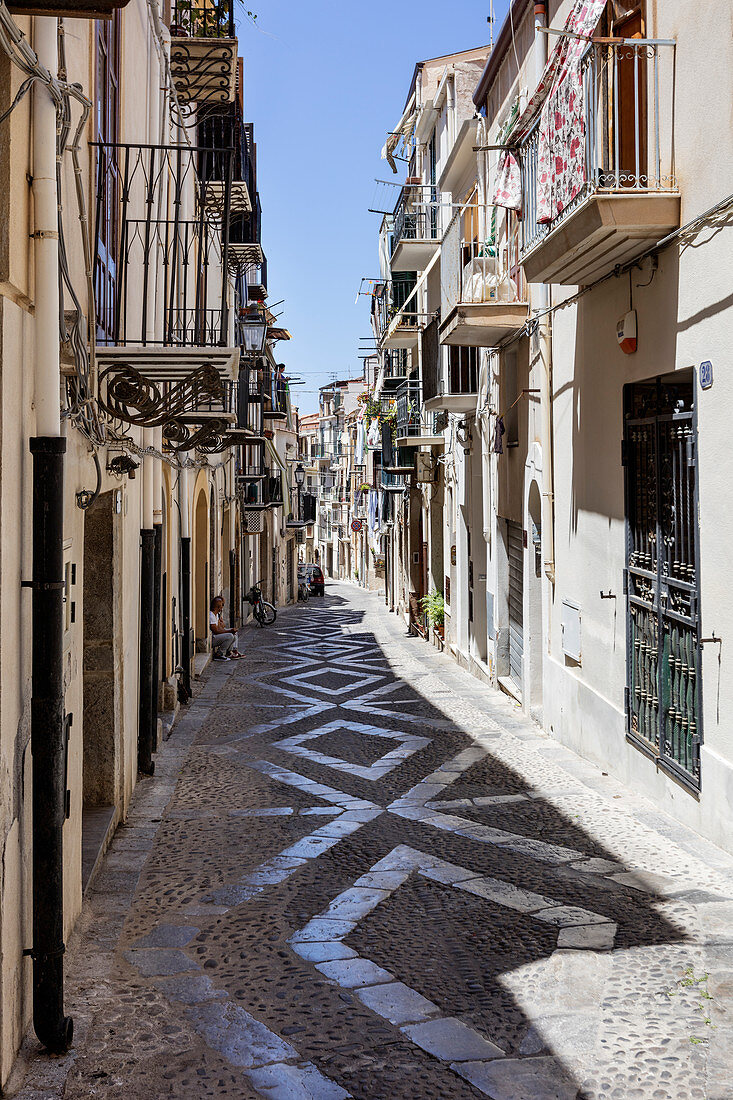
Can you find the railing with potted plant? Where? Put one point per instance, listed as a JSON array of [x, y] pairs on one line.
[[203, 20]]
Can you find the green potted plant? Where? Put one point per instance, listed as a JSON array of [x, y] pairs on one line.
[[433, 605]]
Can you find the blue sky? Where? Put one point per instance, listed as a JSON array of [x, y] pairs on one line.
[[324, 82]]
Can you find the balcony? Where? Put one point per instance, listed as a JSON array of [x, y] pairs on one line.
[[203, 52], [276, 397], [399, 321], [245, 233], [160, 280], [482, 290], [415, 236], [256, 281], [225, 163], [273, 489], [407, 423], [162, 324], [305, 514], [629, 197], [396, 368]]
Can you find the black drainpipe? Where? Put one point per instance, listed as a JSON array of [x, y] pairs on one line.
[[145, 703], [48, 744], [232, 587], [186, 611], [157, 585]]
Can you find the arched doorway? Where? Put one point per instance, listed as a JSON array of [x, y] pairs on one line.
[[201, 571]]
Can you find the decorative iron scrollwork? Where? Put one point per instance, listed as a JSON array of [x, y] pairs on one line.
[[209, 437], [131, 397]]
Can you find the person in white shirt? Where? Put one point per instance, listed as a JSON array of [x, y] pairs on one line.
[[222, 638]]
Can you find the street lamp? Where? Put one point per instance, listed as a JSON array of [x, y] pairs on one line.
[[253, 333], [299, 474]]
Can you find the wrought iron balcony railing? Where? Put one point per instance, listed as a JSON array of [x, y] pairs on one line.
[[206, 20], [277, 406], [304, 513], [273, 487], [393, 482], [256, 280], [396, 367], [244, 238], [408, 402], [628, 145], [160, 275], [414, 218], [221, 129], [203, 53], [234, 402]]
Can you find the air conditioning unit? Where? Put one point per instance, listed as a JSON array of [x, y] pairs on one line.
[[426, 469]]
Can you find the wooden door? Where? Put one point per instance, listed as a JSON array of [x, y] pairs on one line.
[[632, 101]]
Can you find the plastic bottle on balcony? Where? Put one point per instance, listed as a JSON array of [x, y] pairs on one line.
[[507, 289]]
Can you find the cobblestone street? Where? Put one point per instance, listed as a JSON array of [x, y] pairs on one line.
[[358, 872]]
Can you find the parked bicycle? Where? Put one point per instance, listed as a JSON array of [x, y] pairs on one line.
[[264, 612]]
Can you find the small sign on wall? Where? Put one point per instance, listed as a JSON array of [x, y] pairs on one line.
[[706, 375]]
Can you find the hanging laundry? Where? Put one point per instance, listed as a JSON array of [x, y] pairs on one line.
[[360, 445], [559, 100], [374, 435]]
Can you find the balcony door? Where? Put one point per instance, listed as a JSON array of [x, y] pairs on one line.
[[631, 78], [107, 110]]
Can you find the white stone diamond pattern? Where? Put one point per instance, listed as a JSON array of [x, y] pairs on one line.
[[409, 744]]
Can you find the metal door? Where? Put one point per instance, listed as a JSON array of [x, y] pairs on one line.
[[515, 553], [662, 577]]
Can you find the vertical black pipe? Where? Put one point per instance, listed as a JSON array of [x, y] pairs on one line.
[[48, 744], [232, 586], [186, 611], [157, 587], [145, 698]]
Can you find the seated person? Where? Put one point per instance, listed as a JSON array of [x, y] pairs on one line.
[[222, 638]]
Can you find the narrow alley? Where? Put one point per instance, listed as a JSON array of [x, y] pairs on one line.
[[359, 872]]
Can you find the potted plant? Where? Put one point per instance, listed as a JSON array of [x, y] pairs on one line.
[[433, 605]]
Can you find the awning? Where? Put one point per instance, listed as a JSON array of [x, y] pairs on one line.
[[558, 98], [402, 132]]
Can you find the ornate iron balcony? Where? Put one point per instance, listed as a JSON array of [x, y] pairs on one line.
[[203, 53], [157, 271], [221, 129]]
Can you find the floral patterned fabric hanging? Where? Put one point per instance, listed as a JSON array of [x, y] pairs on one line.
[[559, 97]]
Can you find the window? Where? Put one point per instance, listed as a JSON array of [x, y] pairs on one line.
[[663, 691], [462, 369], [107, 35]]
